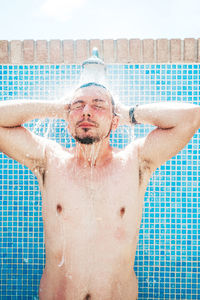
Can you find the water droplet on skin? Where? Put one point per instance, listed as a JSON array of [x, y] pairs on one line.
[[62, 262], [68, 276], [64, 243]]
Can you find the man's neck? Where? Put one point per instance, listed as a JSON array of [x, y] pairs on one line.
[[94, 155]]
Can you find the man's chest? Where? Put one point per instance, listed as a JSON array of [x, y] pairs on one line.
[[91, 206], [104, 207], [80, 192], [119, 180]]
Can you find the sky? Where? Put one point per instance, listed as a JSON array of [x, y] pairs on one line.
[[103, 19]]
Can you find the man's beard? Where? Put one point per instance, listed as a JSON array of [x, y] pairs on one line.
[[88, 140]]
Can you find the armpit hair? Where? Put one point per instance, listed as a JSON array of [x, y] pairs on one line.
[[144, 167]]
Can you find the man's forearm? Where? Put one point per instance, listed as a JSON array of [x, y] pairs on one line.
[[16, 113], [163, 115]]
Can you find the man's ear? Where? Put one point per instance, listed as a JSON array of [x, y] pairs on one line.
[[115, 122]]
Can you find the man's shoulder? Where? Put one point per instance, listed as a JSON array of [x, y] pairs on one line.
[[130, 152], [134, 145], [53, 148], [133, 151]]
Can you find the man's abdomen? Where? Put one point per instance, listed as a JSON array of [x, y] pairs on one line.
[[94, 283]]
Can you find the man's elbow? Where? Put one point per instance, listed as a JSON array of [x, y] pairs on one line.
[[194, 117]]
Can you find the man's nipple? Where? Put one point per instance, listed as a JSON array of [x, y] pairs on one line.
[[87, 297], [122, 211], [59, 208]]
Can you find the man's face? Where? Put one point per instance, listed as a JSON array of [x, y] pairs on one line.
[[91, 115]]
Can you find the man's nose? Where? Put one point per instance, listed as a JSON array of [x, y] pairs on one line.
[[87, 110]]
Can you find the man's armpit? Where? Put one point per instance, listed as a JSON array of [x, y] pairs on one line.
[[145, 170]]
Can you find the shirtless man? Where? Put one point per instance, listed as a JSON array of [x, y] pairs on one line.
[[92, 196]]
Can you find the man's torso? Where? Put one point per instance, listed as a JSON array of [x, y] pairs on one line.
[[91, 224]]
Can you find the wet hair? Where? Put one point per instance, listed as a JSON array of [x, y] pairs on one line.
[[98, 85]]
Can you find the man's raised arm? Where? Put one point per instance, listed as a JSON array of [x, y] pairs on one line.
[[16, 141], [176, 124]]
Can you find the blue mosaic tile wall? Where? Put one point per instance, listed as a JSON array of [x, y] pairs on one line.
[[167, 259]]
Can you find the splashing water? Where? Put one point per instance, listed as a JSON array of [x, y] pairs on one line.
[[93, 70]]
